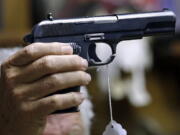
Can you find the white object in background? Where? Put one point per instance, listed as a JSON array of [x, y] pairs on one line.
[[86, 109], [134, 57], [134, 54], [137, 93], [6, 52], [113, 128]]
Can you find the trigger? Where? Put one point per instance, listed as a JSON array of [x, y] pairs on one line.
[[92, 53]]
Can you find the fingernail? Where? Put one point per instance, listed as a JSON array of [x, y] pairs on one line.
[[67, 49], [84, 63], [88, 77]]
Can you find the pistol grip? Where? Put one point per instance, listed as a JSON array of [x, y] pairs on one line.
[[68, 110]]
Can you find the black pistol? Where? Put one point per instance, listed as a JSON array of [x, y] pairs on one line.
[[84, 33]]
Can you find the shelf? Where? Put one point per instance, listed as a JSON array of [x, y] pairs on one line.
[[10, 39], [16, 22]]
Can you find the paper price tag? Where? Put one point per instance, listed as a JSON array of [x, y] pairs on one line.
[[113, 128]]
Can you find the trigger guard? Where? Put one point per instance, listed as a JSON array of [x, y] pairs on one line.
[[95, 61], [92, 53], [92, 62]]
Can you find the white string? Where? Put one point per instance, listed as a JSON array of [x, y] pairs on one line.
[[109, 94]]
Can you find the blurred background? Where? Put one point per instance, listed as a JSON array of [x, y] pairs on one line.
[[145, 76]]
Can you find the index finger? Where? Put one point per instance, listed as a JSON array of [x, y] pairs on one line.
[[38, 50]]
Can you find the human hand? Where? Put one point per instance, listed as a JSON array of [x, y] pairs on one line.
[[65, 124], [29, 76]]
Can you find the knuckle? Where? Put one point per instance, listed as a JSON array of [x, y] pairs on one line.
[[29, 50], [74, 98], [47, 62], [54, 100], [55, 78], [25, 107], [10, 81], [16, 95], [49, 85], [59, 81], [10, 77], [12, 74]]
